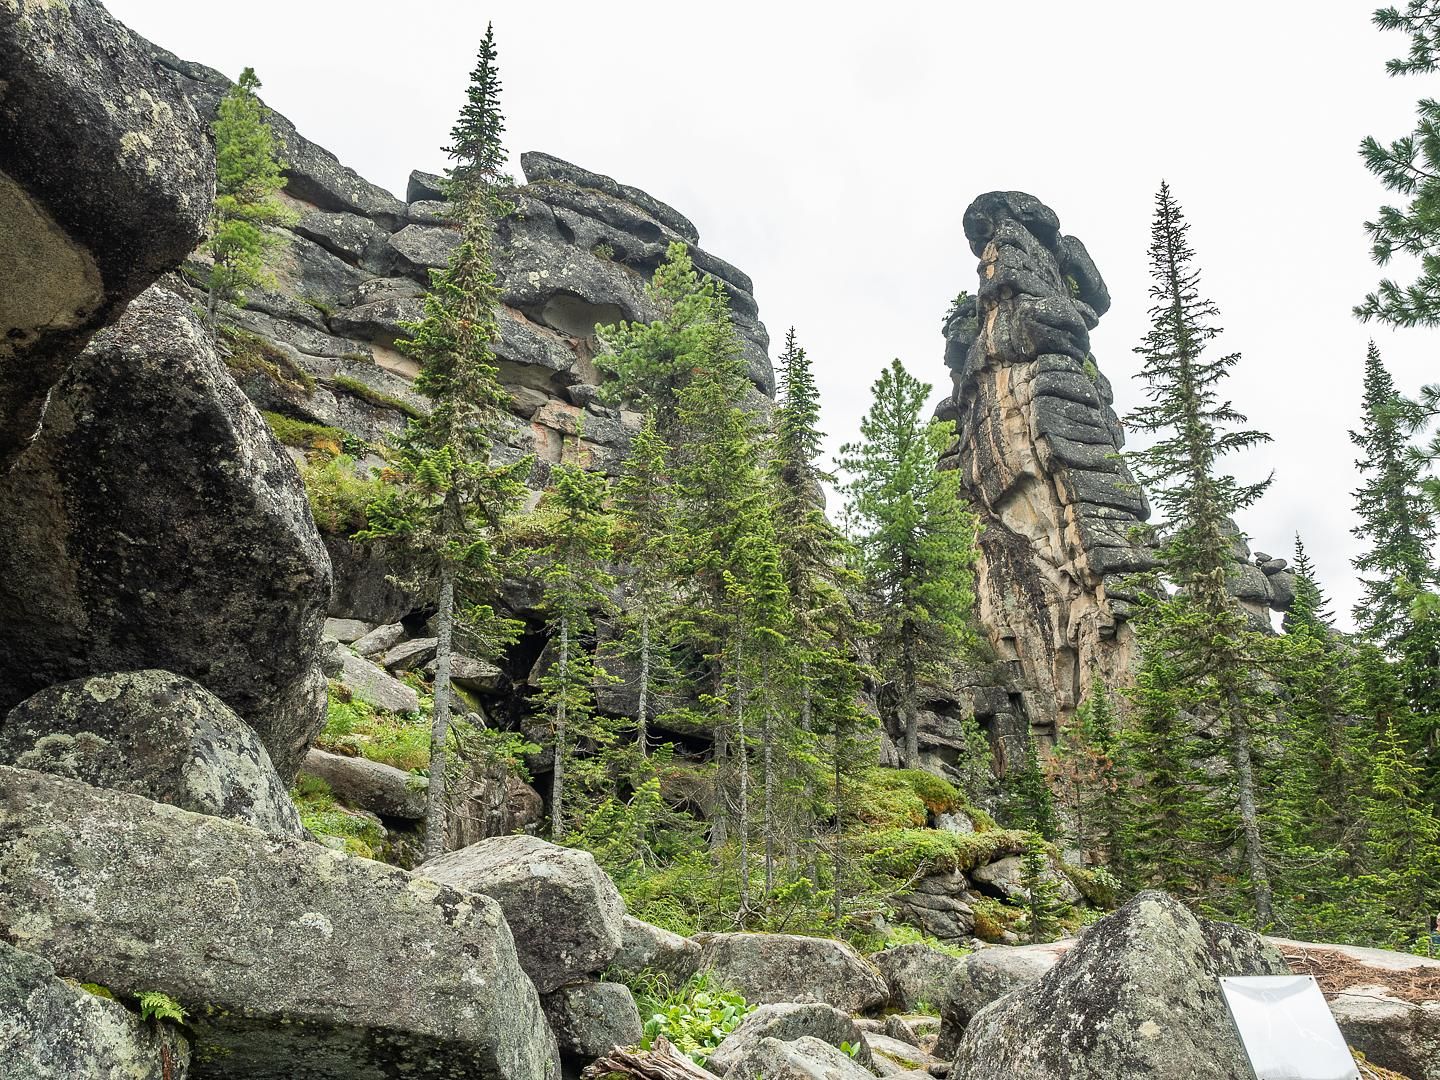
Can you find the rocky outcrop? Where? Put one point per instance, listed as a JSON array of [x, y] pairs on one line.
[[155, 523], [592, 1018], [788, 1023], [54, 1030], [1039, 446], [782, 968], [381, 789], [81, 93], [154, 734], [564, 910], [281, 952], [916, 974], [1137, 997]]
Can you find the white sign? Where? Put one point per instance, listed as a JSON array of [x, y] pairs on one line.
[[1287, 1028]]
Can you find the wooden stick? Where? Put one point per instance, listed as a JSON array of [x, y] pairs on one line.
[[661, 1062]]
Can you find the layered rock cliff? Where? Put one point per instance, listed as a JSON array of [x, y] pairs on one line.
[[1039, 445]]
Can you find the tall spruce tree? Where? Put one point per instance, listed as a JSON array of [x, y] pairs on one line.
[[475, 140], [577, 586], [1410, 167], [1201, 633], [248, 180], [447, 501], [916, 538]]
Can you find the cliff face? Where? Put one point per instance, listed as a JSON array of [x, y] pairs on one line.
[[1038, 444]]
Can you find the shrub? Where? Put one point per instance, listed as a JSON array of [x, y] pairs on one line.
[[902, 798], [696, 1018], [339, 497]]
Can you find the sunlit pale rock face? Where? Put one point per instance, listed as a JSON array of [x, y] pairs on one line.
[[1038, 444]]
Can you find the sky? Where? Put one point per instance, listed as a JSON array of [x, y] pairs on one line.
[[831, 157]]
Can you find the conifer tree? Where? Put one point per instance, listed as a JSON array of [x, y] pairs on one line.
[[646, 535], [248, 180], [1397, 525], [1027, 802], [447, 501], [1410, 167], [475, 140], [1043, 902], [1201, 632], [917, 540], [1089, 773], [577, 587]]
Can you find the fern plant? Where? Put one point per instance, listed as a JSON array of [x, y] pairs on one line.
[[157, 1006]]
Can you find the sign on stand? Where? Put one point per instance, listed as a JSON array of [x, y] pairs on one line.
[[1287, 1029]]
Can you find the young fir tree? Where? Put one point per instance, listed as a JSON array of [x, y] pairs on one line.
[[1027, 802], [1043, 901], [248, 181], [917, 540], [475, 140], [644, 508], [1088, 772], [815, 563], [577, 587], [1410, 167], [447, 502], [1397, 525], [1201, 633]]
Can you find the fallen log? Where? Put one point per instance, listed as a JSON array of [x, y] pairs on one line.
[[661, 1062]]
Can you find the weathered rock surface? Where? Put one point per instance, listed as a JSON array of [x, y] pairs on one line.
[[369, 785], [154, 734], [781, 968], [899, 1057], [285, 954], [1136, 997], [1038, 446], [53, 1030], [937, 904], [492, 803], [564, 911], [1007, 876], [788, 1023], [805, 1058], [986, 976], [591, 1018], [916, 973], [650, 948], [106, 178], [373, 684], [155, 523]]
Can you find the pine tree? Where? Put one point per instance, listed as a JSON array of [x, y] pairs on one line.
[[1397, 525], [475, 144], [1410, 167], [1043, 902], [1027, 802], [917, 540], [577, 587], [448, 501], [1089, 772], [248, 181], [1212, 652]]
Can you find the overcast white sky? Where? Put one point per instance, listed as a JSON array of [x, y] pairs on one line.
[[830, 153]]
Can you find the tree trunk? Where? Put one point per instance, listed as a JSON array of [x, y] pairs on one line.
[[767, 734], [839, 896], [743, 761], [435, 825], [641, 732], [557, 791], [1250, 814], [908, 693]]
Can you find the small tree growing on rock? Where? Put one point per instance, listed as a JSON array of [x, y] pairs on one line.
[[248, 180]]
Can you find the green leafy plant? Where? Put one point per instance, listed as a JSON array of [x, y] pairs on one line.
[[696, 1018], [157, 1006], [602, 250], [852, 1049]]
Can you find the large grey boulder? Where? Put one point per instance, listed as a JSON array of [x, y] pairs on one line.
[[290, 958], [155, 523], [373, 684], [788, 1023], [646, 948], [592, 1018], [154, 734], [805, 1058], [917, 974], [106, 178], [53, 1030], [1137, 997], [540, 167], [776, 968], [369, 785], [986, 975], [564, 911]]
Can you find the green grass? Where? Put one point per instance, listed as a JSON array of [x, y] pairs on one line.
[[339, 499], [303, 435], [319, 812], [246, 353], [357, 728], [368, 393]]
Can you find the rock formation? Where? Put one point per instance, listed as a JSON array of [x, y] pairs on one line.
[[105, 183], [155, 523], [1039, 447]]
